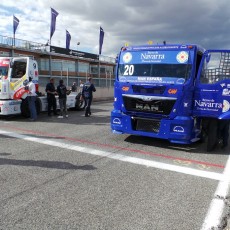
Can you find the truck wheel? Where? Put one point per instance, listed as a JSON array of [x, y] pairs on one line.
[[25, 108], [212, 134], [79, 104]]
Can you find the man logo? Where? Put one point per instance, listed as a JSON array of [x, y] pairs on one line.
[[178, 129], [116, 121]]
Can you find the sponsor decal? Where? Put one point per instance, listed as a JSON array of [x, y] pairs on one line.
[[180, 81], [4, 89], [158, 79], [127, 57], [14, 102], [150, 55], [226, 106], [125, 88], [223, 85], [117, 121], [208, 105], [178, 129], [18, 83], [172, 91], [18, 94], [209, 90], [226, 92], [182, 57], [6, 108], [4, 62], [185, 104]]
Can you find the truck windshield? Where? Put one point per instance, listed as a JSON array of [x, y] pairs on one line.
[[172, 67], [3, 71]]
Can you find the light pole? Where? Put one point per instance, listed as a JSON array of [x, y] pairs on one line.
[[78, 59]]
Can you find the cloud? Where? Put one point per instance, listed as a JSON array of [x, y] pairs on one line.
[[201, 22]]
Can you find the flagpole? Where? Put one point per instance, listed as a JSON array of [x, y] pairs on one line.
[[54, 14], [15, 25], [14, 40], [101, 38], [13, 45], [99, 70], [50, 67], [78, 59], [50, 61]]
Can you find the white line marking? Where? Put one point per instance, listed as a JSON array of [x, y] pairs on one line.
[[120, 157], [215, 212]]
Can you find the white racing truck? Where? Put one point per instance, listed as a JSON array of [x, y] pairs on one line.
[[13, 92]]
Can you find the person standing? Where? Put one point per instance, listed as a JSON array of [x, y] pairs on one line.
[[74, 87], [87, 93], [81, 84], [51, 92], [62, 94], [31, 97]]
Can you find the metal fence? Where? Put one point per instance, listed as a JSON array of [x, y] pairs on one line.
[[10, 43], [34, 46]]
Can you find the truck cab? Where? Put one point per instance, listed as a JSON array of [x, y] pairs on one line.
[[14, 77], [160, 91], [212, 94]]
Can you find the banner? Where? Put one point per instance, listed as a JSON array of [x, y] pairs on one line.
[[68, 38], [54, 14], [101, 38], [15, 23], [74, 53]]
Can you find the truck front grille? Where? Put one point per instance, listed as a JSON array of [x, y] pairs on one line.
[[146, 125], [139, 89], [158, 106]]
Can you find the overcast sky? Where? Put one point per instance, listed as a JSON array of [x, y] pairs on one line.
[[204, 22]]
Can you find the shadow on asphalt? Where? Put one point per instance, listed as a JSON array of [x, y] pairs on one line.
[[75, 117], [46, 164], [196, 147]]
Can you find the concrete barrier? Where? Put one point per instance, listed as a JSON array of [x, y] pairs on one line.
[[103, 94]]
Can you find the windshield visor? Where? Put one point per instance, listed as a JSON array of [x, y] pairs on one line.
[[172, 67]]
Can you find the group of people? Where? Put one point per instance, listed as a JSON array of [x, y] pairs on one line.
[[86, 90]]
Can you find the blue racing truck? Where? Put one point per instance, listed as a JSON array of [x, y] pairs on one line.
[[174, 92]]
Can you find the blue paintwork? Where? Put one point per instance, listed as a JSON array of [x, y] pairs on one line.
[[193, 99]]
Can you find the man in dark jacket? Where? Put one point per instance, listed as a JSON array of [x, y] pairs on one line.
[[62, 93], [51, 92], [87, 93]]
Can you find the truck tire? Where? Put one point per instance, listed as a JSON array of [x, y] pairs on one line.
[[212, 134], [79, 104]]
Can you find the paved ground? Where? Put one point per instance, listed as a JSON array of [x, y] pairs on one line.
[[75, 174]]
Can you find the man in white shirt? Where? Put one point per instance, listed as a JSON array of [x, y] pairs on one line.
[[31, 97]]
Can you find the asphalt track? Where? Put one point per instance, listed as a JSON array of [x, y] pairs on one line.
[[127, 182]]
